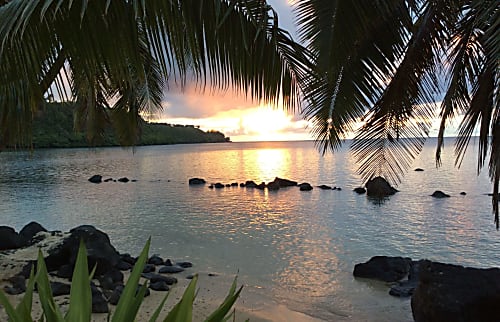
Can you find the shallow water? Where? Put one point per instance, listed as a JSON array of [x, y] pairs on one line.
[[291, 248]]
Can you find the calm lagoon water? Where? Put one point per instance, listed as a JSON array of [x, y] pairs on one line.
[[291, 248]]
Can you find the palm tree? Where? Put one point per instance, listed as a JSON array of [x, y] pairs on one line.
[[114, 58], [381, 65]]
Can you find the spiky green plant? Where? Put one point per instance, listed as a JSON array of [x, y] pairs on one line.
[[80, 304]]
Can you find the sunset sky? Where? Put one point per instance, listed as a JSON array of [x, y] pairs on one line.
[[239, 118], [232, 114]]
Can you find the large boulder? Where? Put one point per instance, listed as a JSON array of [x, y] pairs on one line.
[[455, 293], [439, 194], [284, 182], [96, 178], [387, 269], [29, 231], [99, 250], [379, 187], [305, 187], [9, 238], [196, 181]]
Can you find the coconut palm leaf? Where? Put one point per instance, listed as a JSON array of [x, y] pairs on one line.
[[351, 60], [96, 52]]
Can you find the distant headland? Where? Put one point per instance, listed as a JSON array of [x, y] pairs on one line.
[[53, 128]]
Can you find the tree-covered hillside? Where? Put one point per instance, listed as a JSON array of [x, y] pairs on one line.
[[53, 128]]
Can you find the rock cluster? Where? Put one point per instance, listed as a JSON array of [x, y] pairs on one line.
[[60, 257], [274, 185], [439, 292], [97, 178]]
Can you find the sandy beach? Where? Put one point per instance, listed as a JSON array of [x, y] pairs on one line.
[[212, 289]]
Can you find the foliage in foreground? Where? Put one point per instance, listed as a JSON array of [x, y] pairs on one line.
[[80, 303]]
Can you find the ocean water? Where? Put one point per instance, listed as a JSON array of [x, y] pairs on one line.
[[291, 248]]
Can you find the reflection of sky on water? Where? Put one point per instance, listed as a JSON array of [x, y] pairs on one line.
[[290, 247]]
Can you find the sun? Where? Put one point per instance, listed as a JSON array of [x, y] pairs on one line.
[[266, 124]]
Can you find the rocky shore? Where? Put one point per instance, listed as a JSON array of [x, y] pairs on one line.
[[438, 291], [18, 253]]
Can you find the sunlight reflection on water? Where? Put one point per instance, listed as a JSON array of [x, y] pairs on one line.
[[290, 247]]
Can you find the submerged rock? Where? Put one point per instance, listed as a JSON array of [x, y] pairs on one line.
[[360, 190], [325, 187], [379, 187], [305, 187], [384, 268], [448, 292], [439, 194], [197, 181], [285, 182], [96, 178], [419, 170]]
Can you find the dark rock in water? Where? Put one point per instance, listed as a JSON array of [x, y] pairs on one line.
[[463, 193], [108, 180], [285, 182], [339, 189], [360, 190], [218, 185], [155, 260], [419, 169], [124, 179], [273, 186], [184, 264], [211, 186], [159, 286], [261, 186], [305, 187], [100, 252], [170, 270], [168, 262], [153, 278], [59, 288], [379, 187], [99, 303], [439, 194], [407, 287], [195, 181], [96, 178], [250, 184], [325, 187], [387, 269], [190, 277], [242, 185], [228, 185], [29, 231], [9, 238], [455, 293], [234, 184], [149, 268]]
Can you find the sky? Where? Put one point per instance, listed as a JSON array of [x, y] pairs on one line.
[[239, 118]]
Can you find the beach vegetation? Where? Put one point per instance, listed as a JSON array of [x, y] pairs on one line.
[[80, 301]]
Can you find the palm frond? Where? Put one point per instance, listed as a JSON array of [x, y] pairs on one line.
[[405, 108], [350, 61]]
